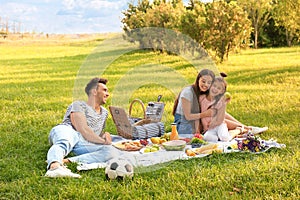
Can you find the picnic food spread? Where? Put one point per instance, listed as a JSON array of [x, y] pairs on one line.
[[128, 145], [144, 153], [196, 146], [168, 143]]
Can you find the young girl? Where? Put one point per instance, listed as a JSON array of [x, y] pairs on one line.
[[215, 127]]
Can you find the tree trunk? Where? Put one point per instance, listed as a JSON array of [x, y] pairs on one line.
[[255, 36], [288, 38]]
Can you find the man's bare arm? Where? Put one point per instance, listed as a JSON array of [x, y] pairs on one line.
[[79, 122]]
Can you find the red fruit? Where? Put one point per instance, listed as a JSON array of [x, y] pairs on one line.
[[144, 142], [198, 135]]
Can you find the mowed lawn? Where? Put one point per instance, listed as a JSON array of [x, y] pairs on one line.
[[37, 82]]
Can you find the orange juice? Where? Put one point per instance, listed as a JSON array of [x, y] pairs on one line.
[[174, 133]]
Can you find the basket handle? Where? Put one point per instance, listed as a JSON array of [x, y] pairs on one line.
[[141, 103]]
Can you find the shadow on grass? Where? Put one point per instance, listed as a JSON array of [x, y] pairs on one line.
[[268, 52], [260, 76]]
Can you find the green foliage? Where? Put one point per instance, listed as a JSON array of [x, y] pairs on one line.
[[158, 14], [286, 13], [259, 12], [227, 28], [134, 15], [193, 22], [272, 36], [36, 85], [219, 26]]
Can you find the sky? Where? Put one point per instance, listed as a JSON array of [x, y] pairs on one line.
[[63, 16]]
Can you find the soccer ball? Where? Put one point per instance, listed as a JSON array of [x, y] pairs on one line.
[[118, 168]]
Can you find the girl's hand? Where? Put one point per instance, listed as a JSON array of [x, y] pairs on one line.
[[227, 96], [227, 100]]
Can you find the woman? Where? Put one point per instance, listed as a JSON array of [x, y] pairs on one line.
[[186, 108]]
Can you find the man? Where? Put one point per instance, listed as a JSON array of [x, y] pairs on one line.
[[81, 132]]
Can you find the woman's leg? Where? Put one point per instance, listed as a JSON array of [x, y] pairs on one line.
[[184, 127], [232, 124]]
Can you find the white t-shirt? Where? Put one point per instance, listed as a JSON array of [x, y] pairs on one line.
[[94, 120], [186, 93]]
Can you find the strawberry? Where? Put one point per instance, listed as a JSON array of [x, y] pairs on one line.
[[198, 135]]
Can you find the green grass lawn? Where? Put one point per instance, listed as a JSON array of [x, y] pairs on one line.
[[36, 84]]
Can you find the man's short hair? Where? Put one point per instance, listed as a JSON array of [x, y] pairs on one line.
[[93, 84]]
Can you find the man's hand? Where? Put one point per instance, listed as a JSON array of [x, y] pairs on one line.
[[106, 136]]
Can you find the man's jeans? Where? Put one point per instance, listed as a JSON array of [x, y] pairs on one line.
[[64, 139]]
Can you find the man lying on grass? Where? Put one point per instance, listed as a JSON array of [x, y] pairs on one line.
[[81, 132]]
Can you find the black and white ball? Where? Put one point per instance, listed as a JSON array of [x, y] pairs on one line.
[[118, 168]]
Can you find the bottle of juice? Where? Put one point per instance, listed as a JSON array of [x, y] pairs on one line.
[[174, 133]]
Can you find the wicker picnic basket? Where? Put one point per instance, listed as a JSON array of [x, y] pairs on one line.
[[130, 127], [138, 120]]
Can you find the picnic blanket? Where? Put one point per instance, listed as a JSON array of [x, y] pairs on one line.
[[139, 159]]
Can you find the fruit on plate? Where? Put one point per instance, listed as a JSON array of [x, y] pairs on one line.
[[162, 140], [147, 150], [174, 145], [151, 148], [166, 136], [197, 140], [198, 135], [156, 146], [144, 142], [155, 140]]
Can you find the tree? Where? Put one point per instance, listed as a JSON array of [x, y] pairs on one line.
[[134, 15], [193, 21], [286, 13], [259, 12], [162, 14], [227, 28]]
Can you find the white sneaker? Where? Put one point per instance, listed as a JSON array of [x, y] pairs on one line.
[[61, 171], [256, 130]]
